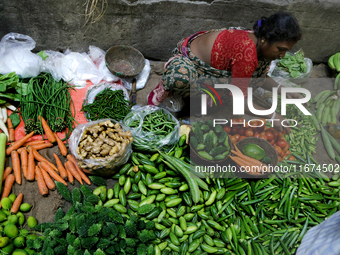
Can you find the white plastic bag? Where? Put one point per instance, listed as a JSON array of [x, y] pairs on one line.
[[77, 68], [141, 78], [53, 64], [150, 141], [16, 56], [73, 67], [98, 57], [104, 166]]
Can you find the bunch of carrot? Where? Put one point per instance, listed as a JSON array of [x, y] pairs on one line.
[[252, 166], [25, 155]]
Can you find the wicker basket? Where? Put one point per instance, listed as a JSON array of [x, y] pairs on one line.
[[124, 61], [268, 148]]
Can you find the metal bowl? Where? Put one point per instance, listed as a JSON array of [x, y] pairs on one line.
[[124, 61]]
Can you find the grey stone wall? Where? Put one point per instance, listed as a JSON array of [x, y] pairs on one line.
[[155, 26]]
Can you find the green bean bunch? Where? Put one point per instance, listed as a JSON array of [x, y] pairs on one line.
[[108, 104], [50, 99]]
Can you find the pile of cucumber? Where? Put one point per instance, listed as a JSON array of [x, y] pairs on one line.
[[209, 141]]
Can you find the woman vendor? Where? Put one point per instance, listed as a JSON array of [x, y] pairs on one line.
[[231, 55]]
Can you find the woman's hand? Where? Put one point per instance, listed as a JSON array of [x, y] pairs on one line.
[[277, 123]]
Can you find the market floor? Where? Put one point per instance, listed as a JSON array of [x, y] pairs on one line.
[[44, 208]]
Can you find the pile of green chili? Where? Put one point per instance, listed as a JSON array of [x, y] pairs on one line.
[[50, 99], [108, 104]]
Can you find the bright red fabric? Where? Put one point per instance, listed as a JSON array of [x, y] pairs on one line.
[[234, 51]]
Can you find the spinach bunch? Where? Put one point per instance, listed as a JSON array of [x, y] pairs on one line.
[[11, 88], [295, 64]]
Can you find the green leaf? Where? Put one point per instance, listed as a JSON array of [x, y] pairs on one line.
[[12, 96], [15, 118], [43, 55], [24, 88], [7, 76], [3, 87]]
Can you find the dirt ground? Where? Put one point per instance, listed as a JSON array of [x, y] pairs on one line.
[[44, 208]]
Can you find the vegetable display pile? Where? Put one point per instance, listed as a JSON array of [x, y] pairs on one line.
[[294, 64], [211, 143], [104, 141], [89, 227], [13, 235], [153, 129], [49, 99], [109, 104]]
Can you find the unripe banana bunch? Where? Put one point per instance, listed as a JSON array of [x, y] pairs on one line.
[[334, 64], [327, 105]]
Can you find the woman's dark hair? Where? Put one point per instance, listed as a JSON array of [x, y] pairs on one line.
[[277, 28]]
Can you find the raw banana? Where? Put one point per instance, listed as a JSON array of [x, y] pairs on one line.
[[336, 61], [325, 114], [337, 82], [332, 114], [319, 112], [324, 97], [331, 62], [317, 97]]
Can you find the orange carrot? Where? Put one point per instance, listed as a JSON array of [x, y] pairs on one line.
[[40, 158], [69, 165], [248, 159], [83, 175], [49, 133], [20, 149], [47, 178], [41, 181], [10, 130], [30, 167], [80, 170], [62, 170], [237, 149], [16, 166], [8, 186], [42, 146], [24, 161], [69, 175], [45, 166], [16, 145], [7, 171], [242, 163], [33, 142], [61, 145], [16, 204]]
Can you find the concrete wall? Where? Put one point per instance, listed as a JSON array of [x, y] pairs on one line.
[[155, 26]]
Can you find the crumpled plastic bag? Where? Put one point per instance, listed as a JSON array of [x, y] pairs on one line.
[[141, 78], [98, 57], [73, 67], [150, 141], [16, 56], [96, 89], [100, 166]]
